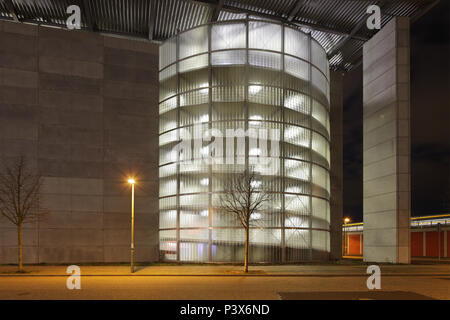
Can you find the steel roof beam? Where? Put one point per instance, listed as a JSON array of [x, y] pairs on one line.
[[152, 7], [87, 14], [217, 10], [276, 18], [9, 5], [295, 9]]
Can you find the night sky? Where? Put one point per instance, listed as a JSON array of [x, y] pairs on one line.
[[430, 121]]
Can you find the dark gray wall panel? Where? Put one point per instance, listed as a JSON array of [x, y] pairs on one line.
[[83, 107]]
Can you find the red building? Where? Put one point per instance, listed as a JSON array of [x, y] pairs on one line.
[[429, 235]]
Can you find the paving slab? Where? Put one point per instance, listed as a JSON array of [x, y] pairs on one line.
[[231, 270]]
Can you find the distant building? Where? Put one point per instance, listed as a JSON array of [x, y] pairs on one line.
[[424, 237]]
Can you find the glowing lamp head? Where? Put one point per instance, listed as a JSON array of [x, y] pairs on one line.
[[347, 220], [131, 181]]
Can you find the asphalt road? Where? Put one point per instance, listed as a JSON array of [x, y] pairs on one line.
[[220, 287]]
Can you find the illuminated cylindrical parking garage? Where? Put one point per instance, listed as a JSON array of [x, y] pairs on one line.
[[256, 77]]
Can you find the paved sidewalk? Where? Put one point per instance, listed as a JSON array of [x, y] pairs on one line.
[[231, 270], [414, 260]]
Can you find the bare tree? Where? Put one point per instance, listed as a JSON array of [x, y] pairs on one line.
[[243, 196], [19, 196]]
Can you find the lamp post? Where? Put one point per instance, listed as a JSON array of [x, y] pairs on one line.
[[346, 220], [439, 240], [132, 182]]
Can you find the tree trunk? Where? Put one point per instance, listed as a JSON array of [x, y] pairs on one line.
[[19, 238], [247, 230]]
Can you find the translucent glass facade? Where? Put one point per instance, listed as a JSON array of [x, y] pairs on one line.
[[247, 76]]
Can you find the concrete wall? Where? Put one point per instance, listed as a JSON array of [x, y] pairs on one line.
[[386, 144], [83, 108], [336, 200]]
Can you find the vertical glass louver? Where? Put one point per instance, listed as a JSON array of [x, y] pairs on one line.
[[255, 77]]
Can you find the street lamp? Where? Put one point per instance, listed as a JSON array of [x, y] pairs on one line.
[[346, 220], [132, 182]]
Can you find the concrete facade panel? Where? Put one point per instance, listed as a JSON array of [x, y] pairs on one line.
[[379, 152], [50, 64], [68, 83], [9, 254], [380, 134], [86, 186], [127, 74], [380, 220], [18, 95], [380, 84], [17, 147], [18, 61], [24, 29], [113, 219], [60, 101], [56, 202], [53, 134], [16, 43], [19, 129], [379, 67], [118, 253], [86, 203], [378, 169], [93, 137], [70, 237], [383, 237], [386, 98], [380, 203], [56, 185], [9, 237], [380, 118], [381, 185], [72, 220], [116, 105], [387, 254], [120, 57], [121, 90], [18, 78], [54, 151], [81, 254], [138, 46], [379, 49], [388, 29], [80, 46]]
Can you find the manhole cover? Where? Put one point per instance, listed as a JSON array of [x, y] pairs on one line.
[[23, 293], [353, 295]]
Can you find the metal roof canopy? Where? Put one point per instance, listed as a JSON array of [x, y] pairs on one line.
[[338, 25]]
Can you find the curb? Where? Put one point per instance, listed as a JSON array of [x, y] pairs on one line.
[[232, 275]]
